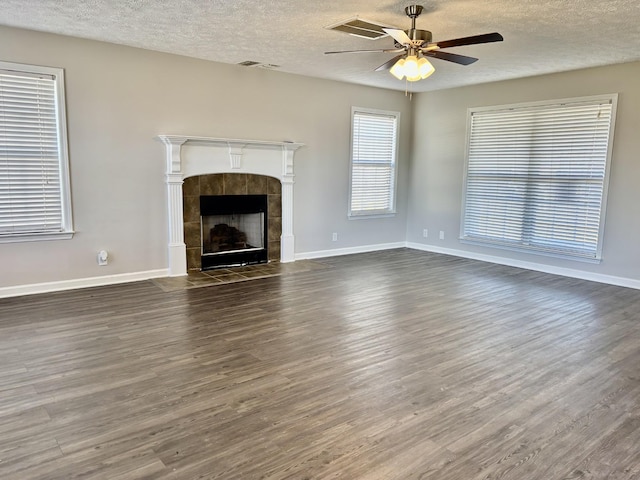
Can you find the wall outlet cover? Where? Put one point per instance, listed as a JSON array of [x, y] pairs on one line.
[[103, 257]]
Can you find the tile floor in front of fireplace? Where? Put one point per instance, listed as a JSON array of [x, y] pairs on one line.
[[221, 276]]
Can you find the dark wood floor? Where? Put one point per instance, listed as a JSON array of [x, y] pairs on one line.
[[390, 365]]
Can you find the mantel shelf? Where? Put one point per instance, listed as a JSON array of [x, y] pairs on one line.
[[231, 142]]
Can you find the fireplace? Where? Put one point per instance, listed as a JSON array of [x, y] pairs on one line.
[[191, 156], [233, 230]]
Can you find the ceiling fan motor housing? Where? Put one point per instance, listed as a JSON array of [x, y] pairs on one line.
[[413, 12], [415, 34]]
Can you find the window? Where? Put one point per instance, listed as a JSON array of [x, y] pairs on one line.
[[374, 146], [34, 179], [536, 176]]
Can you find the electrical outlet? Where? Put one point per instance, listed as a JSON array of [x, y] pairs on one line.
[[441, 235], [334, 237], [103, 258], [425, 233]]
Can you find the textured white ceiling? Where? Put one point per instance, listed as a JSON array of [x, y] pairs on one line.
[[541, 36]]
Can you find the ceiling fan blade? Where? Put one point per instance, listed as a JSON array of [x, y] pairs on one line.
[[450, 57], [475, 39], [389, 64], [398, 35], [386, 50]]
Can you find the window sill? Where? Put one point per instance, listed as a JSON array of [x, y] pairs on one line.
[[531, 251], [371, 215], [36, 237]]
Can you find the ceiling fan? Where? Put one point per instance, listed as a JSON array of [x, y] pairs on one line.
[[413, 46]]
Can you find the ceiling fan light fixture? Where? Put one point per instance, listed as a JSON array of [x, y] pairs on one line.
[[398, 69], [411, 69], [425, 68]]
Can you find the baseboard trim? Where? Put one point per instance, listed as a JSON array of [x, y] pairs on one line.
[[34, 288], [349, 250], [565, 272]]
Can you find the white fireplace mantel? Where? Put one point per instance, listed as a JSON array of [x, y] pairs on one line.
[[189, 156]]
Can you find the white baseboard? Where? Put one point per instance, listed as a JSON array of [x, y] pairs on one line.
[[80, 283], [31, 289], [565, 272], [349, 250]]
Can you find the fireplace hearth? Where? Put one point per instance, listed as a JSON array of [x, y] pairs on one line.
[[233, 230]]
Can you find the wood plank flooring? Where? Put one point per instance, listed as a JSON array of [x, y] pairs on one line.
[[390, 365]]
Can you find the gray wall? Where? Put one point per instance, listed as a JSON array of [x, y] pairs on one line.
[[435, 191], [120, 98]]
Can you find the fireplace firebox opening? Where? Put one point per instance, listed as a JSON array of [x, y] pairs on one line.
[[234, 230]]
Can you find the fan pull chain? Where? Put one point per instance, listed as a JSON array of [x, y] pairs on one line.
[[406, 90]]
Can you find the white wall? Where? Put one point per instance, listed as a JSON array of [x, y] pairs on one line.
[[120, 98], [435, 192]]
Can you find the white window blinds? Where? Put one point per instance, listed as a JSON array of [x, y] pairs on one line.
[[536, 176], [373, 162], [33, 182]]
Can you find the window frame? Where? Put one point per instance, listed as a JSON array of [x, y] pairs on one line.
[[380, 213], [596, 257], [66, 223]]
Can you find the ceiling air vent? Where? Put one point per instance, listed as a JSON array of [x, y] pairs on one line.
[[360, 27]]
